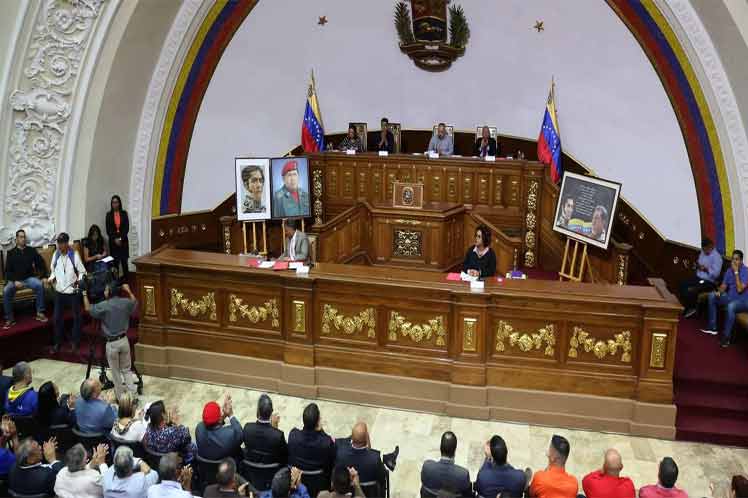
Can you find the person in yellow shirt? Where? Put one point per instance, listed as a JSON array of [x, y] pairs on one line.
[[554, 482]]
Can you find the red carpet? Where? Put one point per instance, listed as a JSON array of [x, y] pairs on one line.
[[711, 386]]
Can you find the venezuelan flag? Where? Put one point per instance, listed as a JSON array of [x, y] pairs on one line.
[[312, 132], [549, 140]]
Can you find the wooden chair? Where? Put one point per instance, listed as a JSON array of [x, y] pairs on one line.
[[315, 481], [63, 433], [138, 451], [206, 471], [90, 440], [450, 130], [396, 131], [259, 474], [152, 458], [26, 425]]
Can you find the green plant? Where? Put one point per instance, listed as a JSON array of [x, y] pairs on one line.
[[459, 31], [403, 24]]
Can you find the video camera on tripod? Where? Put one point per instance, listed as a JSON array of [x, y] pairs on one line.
[[96, 282]]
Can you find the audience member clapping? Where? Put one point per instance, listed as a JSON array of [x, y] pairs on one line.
[[264, 442], [126, 480], [78, 479], [29, 476], [356, 452], [311, 449], [93, 414], [22, 399], [8, 445], [228, 484], [175, 483], [164, 433], [607, 482], [287, 484], [345, 482], [445, 474], [128, 427], [665, 487], [554, 481], [54, 409], [215, 439], [496, 476]]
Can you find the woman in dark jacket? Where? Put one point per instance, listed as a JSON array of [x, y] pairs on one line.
[[117, 226], [53, 409], [480, 260]]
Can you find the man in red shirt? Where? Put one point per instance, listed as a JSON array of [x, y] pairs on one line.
[[554, 482], [608, 483], [665, 487]]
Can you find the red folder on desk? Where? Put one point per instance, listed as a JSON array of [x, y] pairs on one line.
[[254, 263], [280, 265], [453, 277]]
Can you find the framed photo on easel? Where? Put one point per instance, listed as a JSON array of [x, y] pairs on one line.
[[586, 209], [252, 188]]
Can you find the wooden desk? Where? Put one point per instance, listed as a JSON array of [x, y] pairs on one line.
[[519, 350]]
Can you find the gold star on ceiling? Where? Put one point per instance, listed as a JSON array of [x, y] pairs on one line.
[[539, 26], [322, 20]]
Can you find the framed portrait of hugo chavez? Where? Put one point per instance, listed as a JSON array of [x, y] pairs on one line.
[[290, 183], [586, 208], [252, 188]]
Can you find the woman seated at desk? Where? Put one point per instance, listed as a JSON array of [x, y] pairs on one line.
[[351, 141], [480, 260]]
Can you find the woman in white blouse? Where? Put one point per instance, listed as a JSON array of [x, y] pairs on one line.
[[128, 427]]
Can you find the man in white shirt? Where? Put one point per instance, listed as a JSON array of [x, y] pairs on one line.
[[78, 480], [174, 484], [121, 480], [65, 273]]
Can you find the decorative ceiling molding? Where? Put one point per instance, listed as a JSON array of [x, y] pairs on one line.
[[163, 81], [693, 35], [41, 105]]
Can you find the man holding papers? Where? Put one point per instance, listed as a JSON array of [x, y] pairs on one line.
[[297, 247]]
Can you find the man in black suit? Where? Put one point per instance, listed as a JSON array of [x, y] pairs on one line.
[[216, 440], [312, 451], [30, 476], [445, 474], [356, 452], [264, 444], [485, 146]]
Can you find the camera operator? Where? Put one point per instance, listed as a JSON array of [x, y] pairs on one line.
[[114, 312]]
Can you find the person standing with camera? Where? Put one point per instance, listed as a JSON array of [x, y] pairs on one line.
[[114, 312], [66, 272]]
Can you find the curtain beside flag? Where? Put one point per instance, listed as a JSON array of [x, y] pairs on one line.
[[312, 132], [549, 140]]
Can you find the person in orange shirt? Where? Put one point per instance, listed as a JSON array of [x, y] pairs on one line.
[[608, 483], [554, 482]]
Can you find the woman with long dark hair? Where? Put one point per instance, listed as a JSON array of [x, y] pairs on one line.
[[53, 409], [165, 434], [117, 226], [94, 248]]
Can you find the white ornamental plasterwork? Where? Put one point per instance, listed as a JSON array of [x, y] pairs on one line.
[[42, 105], [727, 107], [180, 35]]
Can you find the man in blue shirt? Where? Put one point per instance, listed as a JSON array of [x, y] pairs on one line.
[[497, 476], [92, 414], [731, 294], [708, 268]]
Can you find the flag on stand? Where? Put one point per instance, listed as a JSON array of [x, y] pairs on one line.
[[312, 132], [549, 140]]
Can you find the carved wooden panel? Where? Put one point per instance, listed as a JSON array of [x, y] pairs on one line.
[[498, 190], [520, 337], [483, 188], [253, 311], [417, 328], [348, 183], [344, 321], [612, 345]]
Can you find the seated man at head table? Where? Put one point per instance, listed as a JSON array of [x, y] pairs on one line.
[[386, 139], [480, 260], [441, 143], [297, 243], [486, 146], [351, 141]]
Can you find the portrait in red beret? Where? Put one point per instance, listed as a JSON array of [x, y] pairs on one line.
[[291, 187]]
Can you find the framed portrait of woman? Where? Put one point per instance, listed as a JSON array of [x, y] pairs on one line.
[[252, 188]]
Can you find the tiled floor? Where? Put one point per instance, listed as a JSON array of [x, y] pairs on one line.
[[418, 434]]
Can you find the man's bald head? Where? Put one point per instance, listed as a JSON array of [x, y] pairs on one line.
[[613, 463], [360, 435]]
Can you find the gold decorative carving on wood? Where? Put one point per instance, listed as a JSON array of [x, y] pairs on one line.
[[531, 223], [150, 300], [407, 243], [348, 183], [377, 178], [469, 333], [317, 191], [206, 305], [659, 348], [451, 188], [332, 176], [467, 185], [436, 188], [332, 319], [362, 186], [498, 190], [581, 339], [299, 316], [399, 221], [227, 239], [545, 336], [255, 314], [418, 332], [622, 269], [390, 183], [514, 192]]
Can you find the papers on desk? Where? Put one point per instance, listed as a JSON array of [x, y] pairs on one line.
[[266, 265], [477, 285], [462, 277], [384, 153], [350, 152], [280, 265], [466, 277], [490, 159], [294, 265], [432, 154], [108, 259]]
